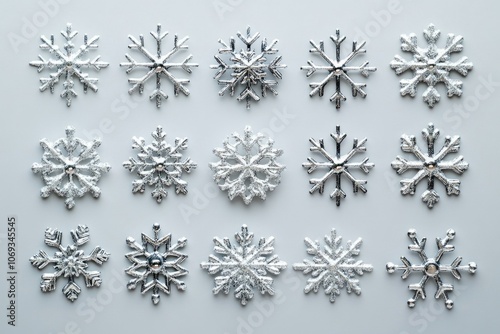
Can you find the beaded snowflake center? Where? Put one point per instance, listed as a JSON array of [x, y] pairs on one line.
[[431, 268], [155, 262]]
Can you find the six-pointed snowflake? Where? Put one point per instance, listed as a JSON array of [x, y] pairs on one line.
[[431, 65], [244, 267], [430, 165], [337, 69], [158, 65], [156, 263], [70, 167], [337, 166], [69, 262], [159, 165], [431, 268], [248, 68], [68, 63], [334, 267], [248, 166]]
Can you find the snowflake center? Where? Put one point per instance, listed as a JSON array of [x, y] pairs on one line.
[[70, 169], [431, 165], [431, 268], [431, 65], [338, 168], [158, 67], [338, 71], [155, 262], [160, 164]]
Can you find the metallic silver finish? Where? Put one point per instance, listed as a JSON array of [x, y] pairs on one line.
[[158, 64], [431, 65], [337, 166], [431, 268], [337, 69], [69, 262], [70, 167], [68, 63], [156, 264], [430, 165], [159, 165], [245, 266]]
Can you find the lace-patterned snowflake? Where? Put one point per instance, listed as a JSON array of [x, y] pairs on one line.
[[159, 164], [156, 263], [69, 262], [431, 268], [430, 165], [247, 166], [244, 267], [337, 69], [70, 167], [248, 68], [337, 166], [158, 65], [431, 65], [68, 63]]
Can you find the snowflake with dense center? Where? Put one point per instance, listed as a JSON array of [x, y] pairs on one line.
[[158, 65], [337, 166], [159, 164], [431, 268], [244, 267], [70, 167], [431, 65], [247, 166], [68, 63], [69, 262], [248, 68], [430, 165], [337, 69], [156, 264]]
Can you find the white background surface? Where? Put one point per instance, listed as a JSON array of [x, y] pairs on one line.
[[381, 217]]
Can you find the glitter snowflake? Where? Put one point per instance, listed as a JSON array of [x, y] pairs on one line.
[[431, 268], [248, 68], [431, 65], [156, 263], [337, 69], [430, 165], [337, 166], [158, 65], [334, 267], [69, 262], [159, 165], [247, 166], [70, 167], [68, 63], [244, 267]]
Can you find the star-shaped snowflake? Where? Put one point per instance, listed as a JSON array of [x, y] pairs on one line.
[[337, 69], [156, 264], [337, 166], [431, 268], [248, 67], [248, 166], [70, 167], [244, 267], [69, 262], [158, 65], [68, 63], [159, 164], [430, 165], [431, 65]]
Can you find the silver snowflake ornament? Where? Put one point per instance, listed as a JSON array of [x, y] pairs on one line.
[[69, 261], [338, 69], [70, 167], [333, 267], [149, 260], [159, 164], [245, 266], [247, 166], [337, 165], [430, 165], [431, 65], [158, 65], [431, 268], [68, 63], [248, 68]]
